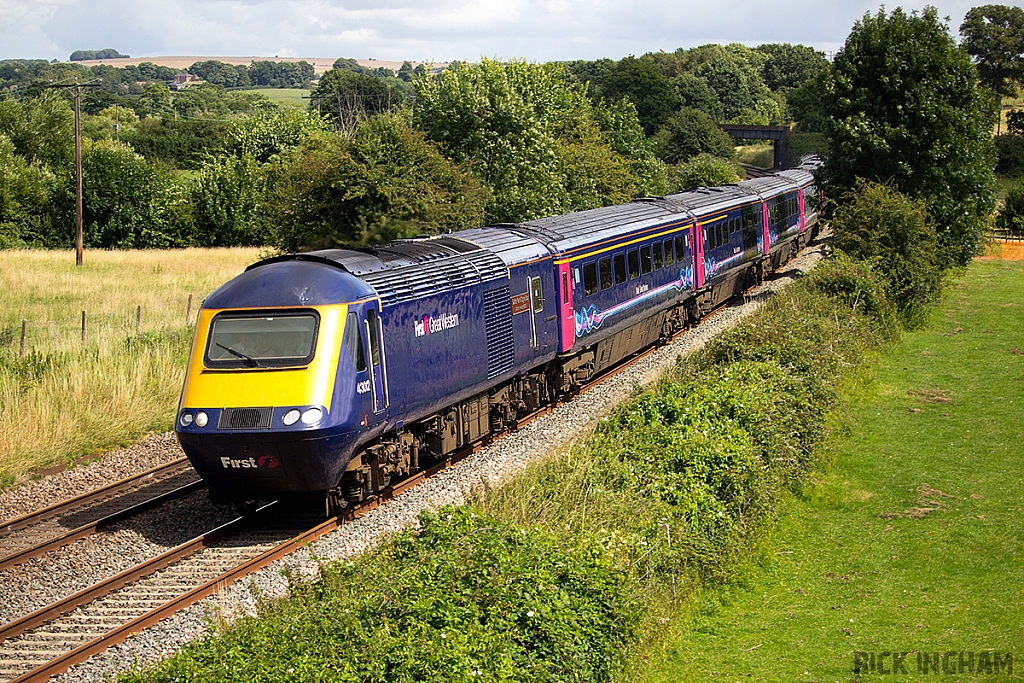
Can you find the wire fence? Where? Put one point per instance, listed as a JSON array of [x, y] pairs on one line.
[[86, 328]]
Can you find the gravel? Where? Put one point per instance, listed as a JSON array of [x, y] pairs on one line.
[[551, 433]]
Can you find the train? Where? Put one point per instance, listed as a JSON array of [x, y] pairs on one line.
[[330, 374]]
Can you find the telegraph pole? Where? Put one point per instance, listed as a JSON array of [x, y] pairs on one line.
[[76, 90]]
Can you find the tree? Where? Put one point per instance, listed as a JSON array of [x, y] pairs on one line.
[[790, 66], [694, 93], [534, 139], [690, 132], [891, 232], [705, 170], [994, 36], [117, 185], [42, 129], [735, 78], [25, 192], [1011, 215], [643, 83], [904, 108], [267, 134], [347, 97], [383, 182]]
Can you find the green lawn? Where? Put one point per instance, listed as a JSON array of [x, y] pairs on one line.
[[914, 539]]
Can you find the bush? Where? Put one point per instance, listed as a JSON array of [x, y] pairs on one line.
[[891, 232], [705, 170], [1011, 215], [690, 132], [466, 598], [1010, 150]]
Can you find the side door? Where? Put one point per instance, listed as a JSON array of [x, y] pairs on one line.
[[542, 328], [374, 336]]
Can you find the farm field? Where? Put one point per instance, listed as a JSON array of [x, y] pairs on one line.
[[64, 399], [297, 97], [914, 539]]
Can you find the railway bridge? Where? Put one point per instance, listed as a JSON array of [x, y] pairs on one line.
[[779, 135]]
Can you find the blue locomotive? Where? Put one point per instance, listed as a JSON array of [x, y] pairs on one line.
[[332, 372]]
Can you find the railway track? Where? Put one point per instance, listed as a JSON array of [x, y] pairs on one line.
[[32, 535], [51, 640], [54, 638]]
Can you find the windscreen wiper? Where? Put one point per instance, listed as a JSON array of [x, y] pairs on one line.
[[252, 361]]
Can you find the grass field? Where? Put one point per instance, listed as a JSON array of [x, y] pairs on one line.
[[913, 542], [298, 97], [64, 400], [761, 154]]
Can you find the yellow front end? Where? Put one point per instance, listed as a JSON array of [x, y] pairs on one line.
[[312, 384]]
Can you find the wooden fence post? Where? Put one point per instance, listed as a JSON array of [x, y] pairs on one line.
[[83, 328], [138, 319], [24, 333], [188, 311]]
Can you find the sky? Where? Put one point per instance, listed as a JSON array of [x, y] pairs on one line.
[[426, 30]]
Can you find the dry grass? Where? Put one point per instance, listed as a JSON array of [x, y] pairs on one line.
[[65, 400], [761, 154]]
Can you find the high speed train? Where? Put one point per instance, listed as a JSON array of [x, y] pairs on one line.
[[330, 373]]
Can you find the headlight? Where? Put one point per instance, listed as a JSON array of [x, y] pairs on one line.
[[202, 419], [291, 417], [312, 416], [186, 419]]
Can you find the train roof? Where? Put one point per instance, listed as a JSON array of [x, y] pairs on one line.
[[509, 244], [410, 269], [566, 233], [709, 199]]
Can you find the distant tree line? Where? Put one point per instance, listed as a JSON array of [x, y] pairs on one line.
[[109, 53], [262, 73]]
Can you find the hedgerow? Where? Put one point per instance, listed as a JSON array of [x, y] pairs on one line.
[[556, 575]]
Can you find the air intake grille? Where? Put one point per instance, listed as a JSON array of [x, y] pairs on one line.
[[501, 349], [245, 418]]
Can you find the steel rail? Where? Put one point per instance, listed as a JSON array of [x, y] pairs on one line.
[[84, 499], [85, 530]]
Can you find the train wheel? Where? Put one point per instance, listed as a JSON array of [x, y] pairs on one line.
[[246, 507], [336, 503]]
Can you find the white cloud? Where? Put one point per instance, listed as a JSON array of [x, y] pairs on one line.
[[410, 29]]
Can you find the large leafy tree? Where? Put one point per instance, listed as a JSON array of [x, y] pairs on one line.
[[905, 108], [382, 182], [530, 137], [644, 84], [994, 36]]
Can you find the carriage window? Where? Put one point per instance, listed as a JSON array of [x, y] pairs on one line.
[[565, 288], [354, 342], [645, 260], [658, 260], [605, 267], [680, 248], [590, 278], [670, 257], [620, 269], [634, 263]]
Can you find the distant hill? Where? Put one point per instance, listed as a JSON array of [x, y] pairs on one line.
[[84, 55]]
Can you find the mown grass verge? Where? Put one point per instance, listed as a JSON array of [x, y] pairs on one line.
[[568, 572], [912, 544]]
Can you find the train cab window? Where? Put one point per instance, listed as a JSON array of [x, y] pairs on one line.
[[604, 267], [659, 261], [633, 256], [680, 248], [645, 260], [620, 269], [670, 257], [354, 342], [589, 278], [253, 340]]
